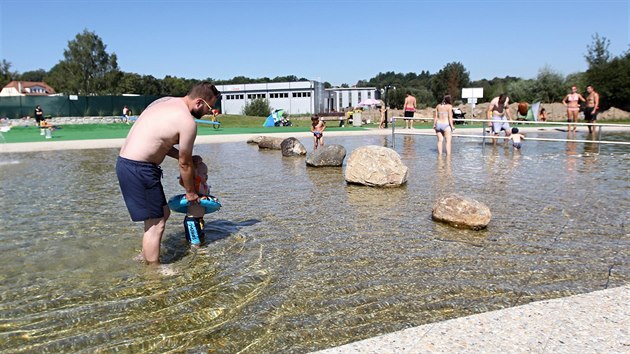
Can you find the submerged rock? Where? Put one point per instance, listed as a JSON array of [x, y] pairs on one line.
[[461, 212], [292, 147], [328, 155], [376, 166]]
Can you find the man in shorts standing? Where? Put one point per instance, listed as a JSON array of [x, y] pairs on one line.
[[592, 107], [164, 123], [410, 108]]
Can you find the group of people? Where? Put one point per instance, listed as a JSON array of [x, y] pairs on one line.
[[499, 114], [170, 121]]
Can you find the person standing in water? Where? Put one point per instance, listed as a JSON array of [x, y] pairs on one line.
[[572, 102], [409, 108], [443, 124], [498, 111], [592, 107], [164, 123]]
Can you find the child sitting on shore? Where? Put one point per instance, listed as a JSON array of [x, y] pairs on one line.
[[516, 139]]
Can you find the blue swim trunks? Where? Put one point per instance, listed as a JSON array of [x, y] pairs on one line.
[[141, 187]]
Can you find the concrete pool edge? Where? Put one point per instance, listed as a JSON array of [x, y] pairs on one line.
[[591, 322], [211, 139]]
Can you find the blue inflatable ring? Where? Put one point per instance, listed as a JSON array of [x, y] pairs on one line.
[[179, 203]]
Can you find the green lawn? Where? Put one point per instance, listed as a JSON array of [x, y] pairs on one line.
[[229, 125]]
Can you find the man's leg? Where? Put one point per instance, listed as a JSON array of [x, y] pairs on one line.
[[153, 231]]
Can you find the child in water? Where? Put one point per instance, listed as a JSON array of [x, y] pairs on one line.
[[516, 139], [193, 222], [317, 127]]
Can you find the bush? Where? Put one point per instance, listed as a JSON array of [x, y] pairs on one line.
[[258, 108]]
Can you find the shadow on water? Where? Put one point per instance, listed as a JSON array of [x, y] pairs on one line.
[[296, 259]]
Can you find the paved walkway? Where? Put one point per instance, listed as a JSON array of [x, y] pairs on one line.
[[597, 322]]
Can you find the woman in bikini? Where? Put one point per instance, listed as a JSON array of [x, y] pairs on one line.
[[572, 102], [443, 124]]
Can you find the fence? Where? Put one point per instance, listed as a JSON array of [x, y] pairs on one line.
[[72, 106], [490, 137]]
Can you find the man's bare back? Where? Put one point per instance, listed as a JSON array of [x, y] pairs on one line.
[[158, 128], [410, 102]]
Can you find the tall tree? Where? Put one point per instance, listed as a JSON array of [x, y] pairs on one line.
[[550, 85], [451, 79], [597, 52], [87, 68], [6, 75]]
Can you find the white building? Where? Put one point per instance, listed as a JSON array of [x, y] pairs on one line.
[[340, 98], [297, 97]]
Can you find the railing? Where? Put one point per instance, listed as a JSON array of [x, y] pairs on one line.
[[484, 136]]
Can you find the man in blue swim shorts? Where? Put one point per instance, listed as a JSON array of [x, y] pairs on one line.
[[164, 123]]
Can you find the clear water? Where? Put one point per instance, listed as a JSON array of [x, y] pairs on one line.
[[298, 260]]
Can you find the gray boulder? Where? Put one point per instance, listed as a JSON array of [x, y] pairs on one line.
[[461, 212], [270, 143], [255, 139], [292, 147], [376, 166], [328, 155]]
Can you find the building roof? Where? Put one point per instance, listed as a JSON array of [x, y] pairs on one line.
[[31, 88]]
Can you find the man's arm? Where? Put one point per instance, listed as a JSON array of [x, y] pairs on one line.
[[186, 170], [173, 152], [596, 102]]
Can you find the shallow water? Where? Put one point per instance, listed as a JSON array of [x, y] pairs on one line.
[[297, 260]]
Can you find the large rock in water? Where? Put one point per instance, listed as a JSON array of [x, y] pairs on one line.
[[292, 147], [271, 143], [461, 212], [328, 155], [376, 166], [255, 139]]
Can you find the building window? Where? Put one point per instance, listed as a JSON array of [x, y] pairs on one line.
[[369, 94], [359, 96]]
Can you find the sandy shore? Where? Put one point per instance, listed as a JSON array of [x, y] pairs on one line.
[[52, 145]]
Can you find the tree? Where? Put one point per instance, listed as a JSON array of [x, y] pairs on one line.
[[612, 81], [522, 91], [87, 68], [175, 86], [598, 53], [451, 79], [550, 85], [33, 75], [6, 75], [258, 108]]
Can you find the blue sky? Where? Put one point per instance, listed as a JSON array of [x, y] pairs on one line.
[[340, 41]]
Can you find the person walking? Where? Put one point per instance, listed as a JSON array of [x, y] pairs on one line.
[[164, 123], [409, 108], [443, 124]]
